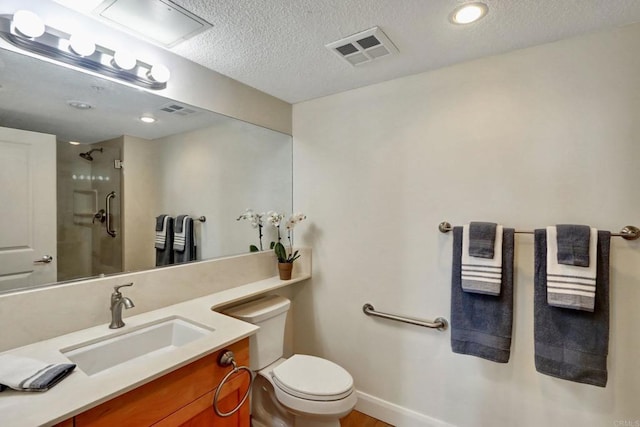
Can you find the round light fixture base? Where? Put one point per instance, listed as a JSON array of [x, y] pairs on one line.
[[468, 13]]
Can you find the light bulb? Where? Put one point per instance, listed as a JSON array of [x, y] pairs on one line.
[[123, 60], [468, 13], [81, 45], [159, 73], [28, 24]]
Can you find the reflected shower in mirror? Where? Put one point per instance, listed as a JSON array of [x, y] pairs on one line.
[[73, 147]]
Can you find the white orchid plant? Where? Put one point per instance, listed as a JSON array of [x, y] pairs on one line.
[[279, 249], [258, 221]]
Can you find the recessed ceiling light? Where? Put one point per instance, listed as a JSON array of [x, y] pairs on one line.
[[74, 143], [80, 105], [468, 13], [147, 119]]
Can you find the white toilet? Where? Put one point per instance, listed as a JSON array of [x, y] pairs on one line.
[[301, 391]]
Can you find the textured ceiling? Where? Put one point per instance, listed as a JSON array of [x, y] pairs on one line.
[[277, 46]]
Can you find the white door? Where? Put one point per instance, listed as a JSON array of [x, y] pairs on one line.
[[27, 209]]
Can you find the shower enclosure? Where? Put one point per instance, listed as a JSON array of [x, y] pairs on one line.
[[89, 210]]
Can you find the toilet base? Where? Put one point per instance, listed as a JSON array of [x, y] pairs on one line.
[[267, 411]]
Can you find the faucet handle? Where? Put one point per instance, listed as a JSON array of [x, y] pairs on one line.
[[117, 288]]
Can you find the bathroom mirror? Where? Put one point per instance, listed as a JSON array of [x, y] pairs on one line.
[[189, 161]]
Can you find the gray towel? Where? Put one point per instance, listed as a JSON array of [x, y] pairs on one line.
[[161, 231], [481, 324], [482, 237], [184, 243], [164, 250], [573, 244], [26, 374], [572, 344]]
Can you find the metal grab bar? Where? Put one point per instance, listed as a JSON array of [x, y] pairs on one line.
[[107, 202], [440, 323]]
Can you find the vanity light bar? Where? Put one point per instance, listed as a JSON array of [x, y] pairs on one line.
[[56, 45]]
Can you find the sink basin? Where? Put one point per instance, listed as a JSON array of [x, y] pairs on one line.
[[159, 337]]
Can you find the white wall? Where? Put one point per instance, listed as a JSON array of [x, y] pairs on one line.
[[140, 203], [540, 136]]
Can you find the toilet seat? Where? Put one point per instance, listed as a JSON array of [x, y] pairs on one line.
[[312, 378]]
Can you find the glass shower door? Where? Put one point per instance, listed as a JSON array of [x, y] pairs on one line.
[[89, 186], [107, 232]]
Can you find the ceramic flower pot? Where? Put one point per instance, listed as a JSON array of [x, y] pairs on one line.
[[284, 268]]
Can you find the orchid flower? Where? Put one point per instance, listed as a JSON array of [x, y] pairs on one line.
[[257, 221]]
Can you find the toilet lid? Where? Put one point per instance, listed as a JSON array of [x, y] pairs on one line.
[[313, 378]]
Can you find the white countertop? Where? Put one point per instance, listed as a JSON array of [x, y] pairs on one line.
[[79, 392]]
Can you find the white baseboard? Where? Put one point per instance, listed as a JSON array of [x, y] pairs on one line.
[[394, 414]]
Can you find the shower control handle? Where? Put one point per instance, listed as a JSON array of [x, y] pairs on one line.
[[100, 216]]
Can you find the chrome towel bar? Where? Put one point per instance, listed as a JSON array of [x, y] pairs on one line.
[[440, 323], [629, 232]]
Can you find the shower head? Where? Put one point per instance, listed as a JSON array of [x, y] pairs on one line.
[[88, 156]]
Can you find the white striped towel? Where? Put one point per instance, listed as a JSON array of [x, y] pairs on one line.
[[161, 235], [180, 233], [571, 286], [26, 374], [481, 275]]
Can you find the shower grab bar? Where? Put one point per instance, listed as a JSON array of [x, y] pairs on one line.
[[440, 323], [107, 202]]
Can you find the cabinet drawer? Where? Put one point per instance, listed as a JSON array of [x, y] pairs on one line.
[[158, 399], [200, 413]]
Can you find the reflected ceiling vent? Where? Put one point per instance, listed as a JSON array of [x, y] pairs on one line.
[[178, 109], [363, 47], [161, 21]]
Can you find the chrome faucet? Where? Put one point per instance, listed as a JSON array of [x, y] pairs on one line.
[[117, 301]]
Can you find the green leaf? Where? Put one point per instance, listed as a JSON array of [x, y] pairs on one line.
[[272, 245], [281, 252], [253, 248]]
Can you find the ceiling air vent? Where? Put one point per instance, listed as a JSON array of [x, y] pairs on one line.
[[178, 110], [363, 47], [161, 21]]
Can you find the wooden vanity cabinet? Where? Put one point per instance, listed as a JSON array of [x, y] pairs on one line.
[[181, 398]]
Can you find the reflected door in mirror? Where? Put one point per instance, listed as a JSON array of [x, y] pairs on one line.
[[27, 221]]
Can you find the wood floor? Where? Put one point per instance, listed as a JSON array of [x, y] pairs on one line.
[[358, 419]]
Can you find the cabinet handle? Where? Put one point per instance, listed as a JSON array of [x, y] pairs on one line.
[[227, 358]]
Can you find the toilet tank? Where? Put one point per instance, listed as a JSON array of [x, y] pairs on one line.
[[270, 313]]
